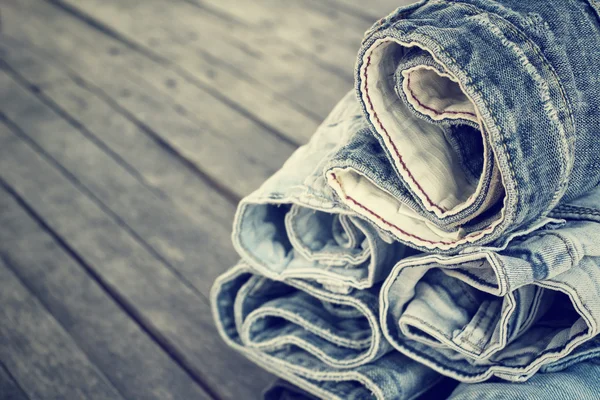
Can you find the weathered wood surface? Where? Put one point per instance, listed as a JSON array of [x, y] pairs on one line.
[[128, 132]]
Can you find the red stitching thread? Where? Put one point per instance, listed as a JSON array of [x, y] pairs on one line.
[[431, 203], [381, 218], [436, 112]]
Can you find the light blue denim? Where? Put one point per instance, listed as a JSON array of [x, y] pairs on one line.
[[327, 343], [472, 140], [506, 311], [293, 226], [523, 79], [579, 382], [306, 253]]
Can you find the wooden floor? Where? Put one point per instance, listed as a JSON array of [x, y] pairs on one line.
[[129, 130]]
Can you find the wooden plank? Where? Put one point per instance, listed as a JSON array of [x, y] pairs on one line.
[[199, 249], [9, 389], [271, 63], [39, 354], [121, 136], [273, 112], [296, 21], [375, 9], [232, 149], [329, 37], [173, 312], [108, 336], [306, 32]]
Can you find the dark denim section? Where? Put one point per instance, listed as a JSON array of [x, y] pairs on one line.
[[531, 70]]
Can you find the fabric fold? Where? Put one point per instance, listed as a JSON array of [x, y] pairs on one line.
[[480, 115], [294, 226], [283, 328], [443, 224], [502, 312]]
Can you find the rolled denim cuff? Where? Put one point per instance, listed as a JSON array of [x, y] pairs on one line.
[[470, 110], [334, 351], [502, 312], [295, 227]]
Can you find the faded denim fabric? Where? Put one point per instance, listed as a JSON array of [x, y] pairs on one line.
[[304, 301], [579, 382], [445, 224], [502, 312], [327, 343], [294, 226], [487, 115]]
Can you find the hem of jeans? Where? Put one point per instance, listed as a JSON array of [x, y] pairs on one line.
[[567, 141], [320, 256], [362, 344], [302, 273], [476, 351], [271, 364], [436, 209], [517, 374], [256, 357], [509, 209], [295, 374]]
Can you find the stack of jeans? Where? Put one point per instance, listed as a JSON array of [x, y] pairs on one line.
[[443, 221]]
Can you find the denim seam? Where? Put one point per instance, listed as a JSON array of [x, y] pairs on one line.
[[352, 238], [269, 311], [471, 83], [490, 370], [451, 342], [366, 79], [322, 256], [262, 267], [346, 300], [363, 357], [412, 317], [379, 216], [479, 318], [283, 342], [576, 210], [570, 247]]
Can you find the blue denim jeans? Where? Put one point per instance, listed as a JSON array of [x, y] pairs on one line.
[[442, 225], [309, 303], [327, 343], [486, 116], [499, 311], [579, 382]]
